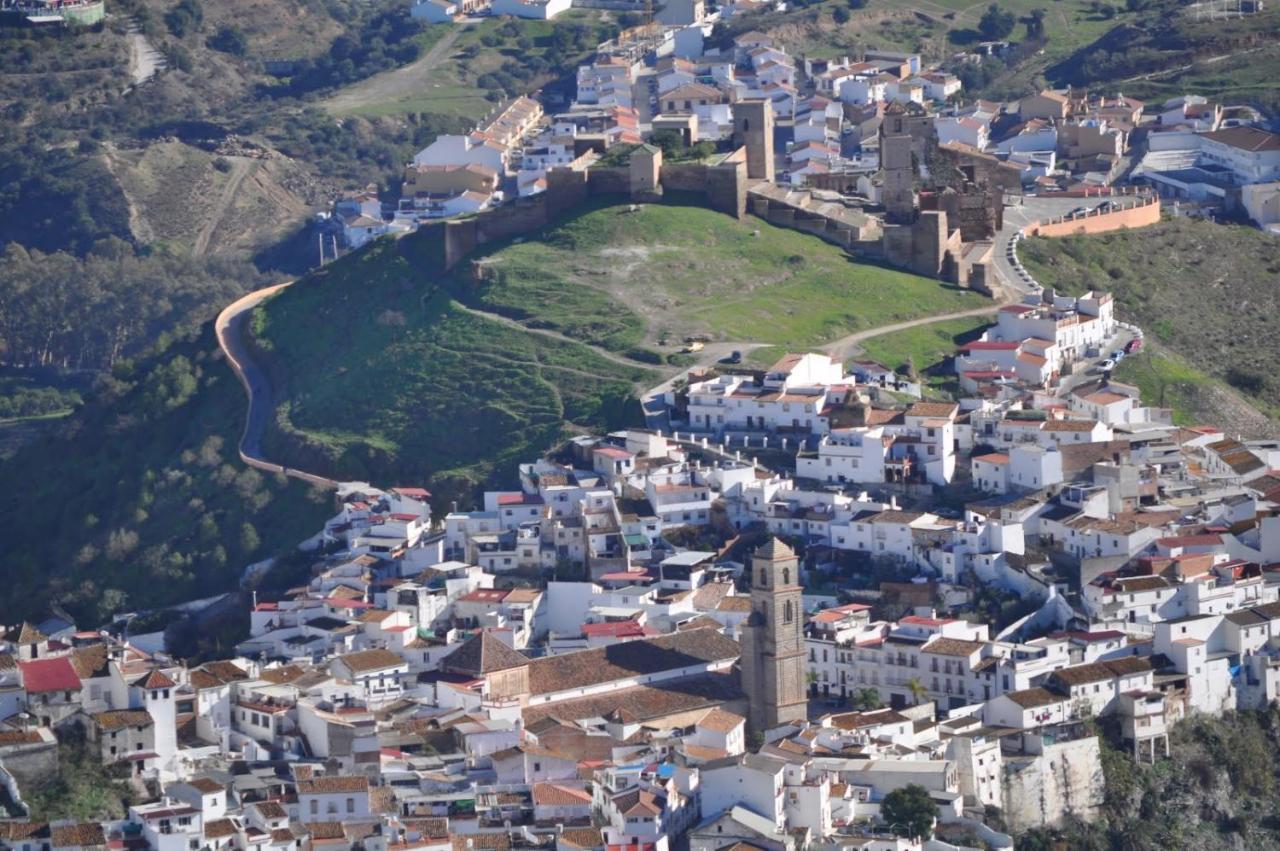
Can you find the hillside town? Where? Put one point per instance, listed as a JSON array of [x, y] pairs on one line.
[[817, 603], [797, 602], [663, 83]]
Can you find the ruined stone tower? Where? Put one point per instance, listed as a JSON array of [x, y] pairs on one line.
[[753, 129], [773, 641]]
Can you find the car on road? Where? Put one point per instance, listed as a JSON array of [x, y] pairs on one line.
[[1134, 345], [1117, 355], [1106, 365]]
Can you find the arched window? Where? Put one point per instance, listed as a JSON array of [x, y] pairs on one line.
[[787, 612], [746, 125], [764, 612], [764, 577], [786, 576]]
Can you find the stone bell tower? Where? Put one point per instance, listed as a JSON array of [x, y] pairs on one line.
[[773, 640]]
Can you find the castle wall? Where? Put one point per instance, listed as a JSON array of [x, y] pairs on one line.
[[1142, 215]]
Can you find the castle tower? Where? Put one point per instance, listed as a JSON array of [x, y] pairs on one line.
[[772, 640], [753, 129]]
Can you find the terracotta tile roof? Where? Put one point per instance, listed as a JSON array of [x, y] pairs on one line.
[[121, 718], [720, 720], [154, 680], [282, 675], [644, 702], [219, 828], [271, 810], [952, 647], [1093, 672], [19, 830], [371, 660], [19, 737], [559, 795], [206, 785], [7, 662], [430, 828], [325, 830], [581, 837], [333, 783], [282, 834], [629, 659], [1032, 698], [70, 835], [482, 654], [382, 799], [481, 842], [932, 409], [735, 603]]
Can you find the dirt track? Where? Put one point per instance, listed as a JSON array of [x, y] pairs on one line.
[[395, 85]]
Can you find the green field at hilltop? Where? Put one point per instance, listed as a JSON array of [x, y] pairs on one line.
[[384, 363], [667, 272]]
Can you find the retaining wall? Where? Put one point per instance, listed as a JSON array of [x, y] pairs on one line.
[[1146, 213]]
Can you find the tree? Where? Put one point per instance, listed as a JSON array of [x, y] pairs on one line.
[[996, 23], [1035, 25], [865, 700], [917, 689], [229, 39], [840, 15], [911, 809]]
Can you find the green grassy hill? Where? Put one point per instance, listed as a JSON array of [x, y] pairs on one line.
[[384, 365], [1168, 51], [1204, 292], [139, 499]]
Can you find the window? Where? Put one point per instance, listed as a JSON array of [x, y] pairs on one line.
[[787, 616], [786, 576], [351, 805]]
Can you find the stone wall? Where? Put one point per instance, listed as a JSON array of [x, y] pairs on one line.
[[31, 764], [1146, 213], [1041, 789]]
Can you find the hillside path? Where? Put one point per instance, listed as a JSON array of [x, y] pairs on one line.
[[399, 83], [556, 335], [846, 347], [241, 168], [229, 327], [144, 60]]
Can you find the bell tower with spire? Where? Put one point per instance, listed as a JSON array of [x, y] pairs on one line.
[[773, 640]]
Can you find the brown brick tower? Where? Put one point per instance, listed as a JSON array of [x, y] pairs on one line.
[[772, 640]]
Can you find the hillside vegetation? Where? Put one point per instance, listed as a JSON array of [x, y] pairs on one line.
[[618, 278], [379, 373], [1171, 51], [139, 499], [1205, 291], [384, 364], [1219, 791]]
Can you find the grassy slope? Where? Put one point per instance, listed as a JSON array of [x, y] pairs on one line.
[[1232, 59], [688, 270], [122, 497], [1205, 291], [928, 349], [451, 88], [382, 371]]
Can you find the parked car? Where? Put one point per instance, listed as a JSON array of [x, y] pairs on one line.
[[1106, 365], [1117, 355], [1134, 345]]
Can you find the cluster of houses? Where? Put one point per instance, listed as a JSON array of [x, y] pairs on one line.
[[622, 651]]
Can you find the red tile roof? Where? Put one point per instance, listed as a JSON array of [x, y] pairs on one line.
[[48, 675]]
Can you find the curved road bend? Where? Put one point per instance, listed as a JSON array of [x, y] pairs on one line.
[[229, 326]]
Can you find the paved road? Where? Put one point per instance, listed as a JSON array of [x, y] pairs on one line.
[[229, 326], [1021, 211]]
